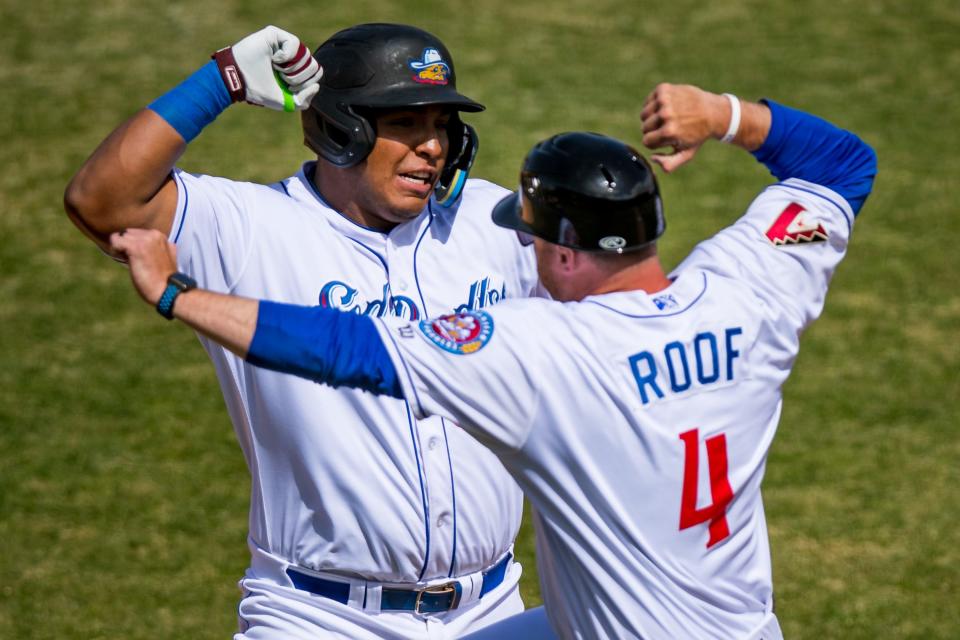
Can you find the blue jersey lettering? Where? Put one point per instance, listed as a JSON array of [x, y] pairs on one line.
[[731, 352], [674, 364], [645, 379], [677, 366], [482, 294], [340, 295], [714, 359]]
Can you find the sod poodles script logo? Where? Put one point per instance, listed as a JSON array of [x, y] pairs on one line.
[[340, 295], [459, 333]]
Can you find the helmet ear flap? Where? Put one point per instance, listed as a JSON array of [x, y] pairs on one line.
[[339, 135], [464, 143]]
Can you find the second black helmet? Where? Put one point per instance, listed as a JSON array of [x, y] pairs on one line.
[[588, 192]]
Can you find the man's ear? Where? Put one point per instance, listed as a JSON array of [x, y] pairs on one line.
[[568, 259]]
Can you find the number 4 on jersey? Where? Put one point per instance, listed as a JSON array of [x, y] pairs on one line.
[[722, 494]]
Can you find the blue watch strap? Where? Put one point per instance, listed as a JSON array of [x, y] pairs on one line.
[[165, 303], [177, 283]]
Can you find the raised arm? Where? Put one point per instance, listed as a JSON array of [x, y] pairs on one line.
[[683, 117], [126, 182], [791, 143]]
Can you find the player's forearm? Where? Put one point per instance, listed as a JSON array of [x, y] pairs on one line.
[[754, 124], [228, 320]]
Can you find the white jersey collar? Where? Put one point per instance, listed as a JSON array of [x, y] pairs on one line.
[[301, 188], [687, 288]]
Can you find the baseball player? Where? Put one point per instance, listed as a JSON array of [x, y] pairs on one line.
[[366, 521], [637, 416]]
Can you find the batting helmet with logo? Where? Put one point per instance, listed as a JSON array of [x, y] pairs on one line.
[[384, 66], [588, 192]]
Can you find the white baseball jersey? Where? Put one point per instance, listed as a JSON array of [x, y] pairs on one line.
[[344, 481], [639, 424]]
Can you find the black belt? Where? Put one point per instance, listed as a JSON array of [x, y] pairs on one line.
[[436, 599]]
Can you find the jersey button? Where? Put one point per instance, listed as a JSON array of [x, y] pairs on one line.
[[402, 285], [433, 442], [441, 522]]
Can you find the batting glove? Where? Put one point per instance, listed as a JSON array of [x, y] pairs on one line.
[[270, 68]]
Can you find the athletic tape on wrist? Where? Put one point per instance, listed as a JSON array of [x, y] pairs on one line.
[[734, 126], [195, 102]]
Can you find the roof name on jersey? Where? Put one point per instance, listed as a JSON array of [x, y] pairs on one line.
[[793, 226], [337, 294], [678, 367]]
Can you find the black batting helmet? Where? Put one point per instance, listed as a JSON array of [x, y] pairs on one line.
[[588, 192], [384, 66]]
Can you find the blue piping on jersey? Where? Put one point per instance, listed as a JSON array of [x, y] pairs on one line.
[[416, 276], [303, 341], [657, 315], [186, 203], [417, 454], [406, 369], [815, 193], [283, 185], [446, 440], [453, 496], [318, 196], [383, 261]]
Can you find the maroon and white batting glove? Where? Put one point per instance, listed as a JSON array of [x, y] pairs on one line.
[[271, 68]]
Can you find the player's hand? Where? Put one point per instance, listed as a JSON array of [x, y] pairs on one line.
[[278, 71], [152, 258], [681, 117]]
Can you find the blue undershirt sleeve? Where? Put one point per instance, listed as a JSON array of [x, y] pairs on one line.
[[803, 146], [324, 345]]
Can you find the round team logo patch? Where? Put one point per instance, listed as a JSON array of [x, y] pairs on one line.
[[461, 333]]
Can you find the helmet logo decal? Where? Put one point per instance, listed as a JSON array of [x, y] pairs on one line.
[[430, 68], [792, 226], [612, 243], [460, 333]]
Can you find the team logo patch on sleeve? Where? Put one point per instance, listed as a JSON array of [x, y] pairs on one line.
[[794, 226], [462, 333]]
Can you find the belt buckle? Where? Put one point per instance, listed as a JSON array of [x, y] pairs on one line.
[[440, 589]]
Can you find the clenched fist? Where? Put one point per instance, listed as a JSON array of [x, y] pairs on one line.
[[271, 68]]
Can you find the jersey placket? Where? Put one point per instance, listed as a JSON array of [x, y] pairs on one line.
[[429, 434]]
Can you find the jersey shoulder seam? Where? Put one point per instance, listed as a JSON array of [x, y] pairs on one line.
[[812, 189]]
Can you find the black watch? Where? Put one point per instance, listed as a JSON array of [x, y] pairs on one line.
[[177, 283]]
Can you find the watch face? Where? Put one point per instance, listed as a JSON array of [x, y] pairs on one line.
[[182, 281]]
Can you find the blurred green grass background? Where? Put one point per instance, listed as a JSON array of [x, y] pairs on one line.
[[123, 495]]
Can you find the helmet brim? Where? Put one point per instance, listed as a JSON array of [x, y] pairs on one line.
[[507, 212], [419, 97]]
